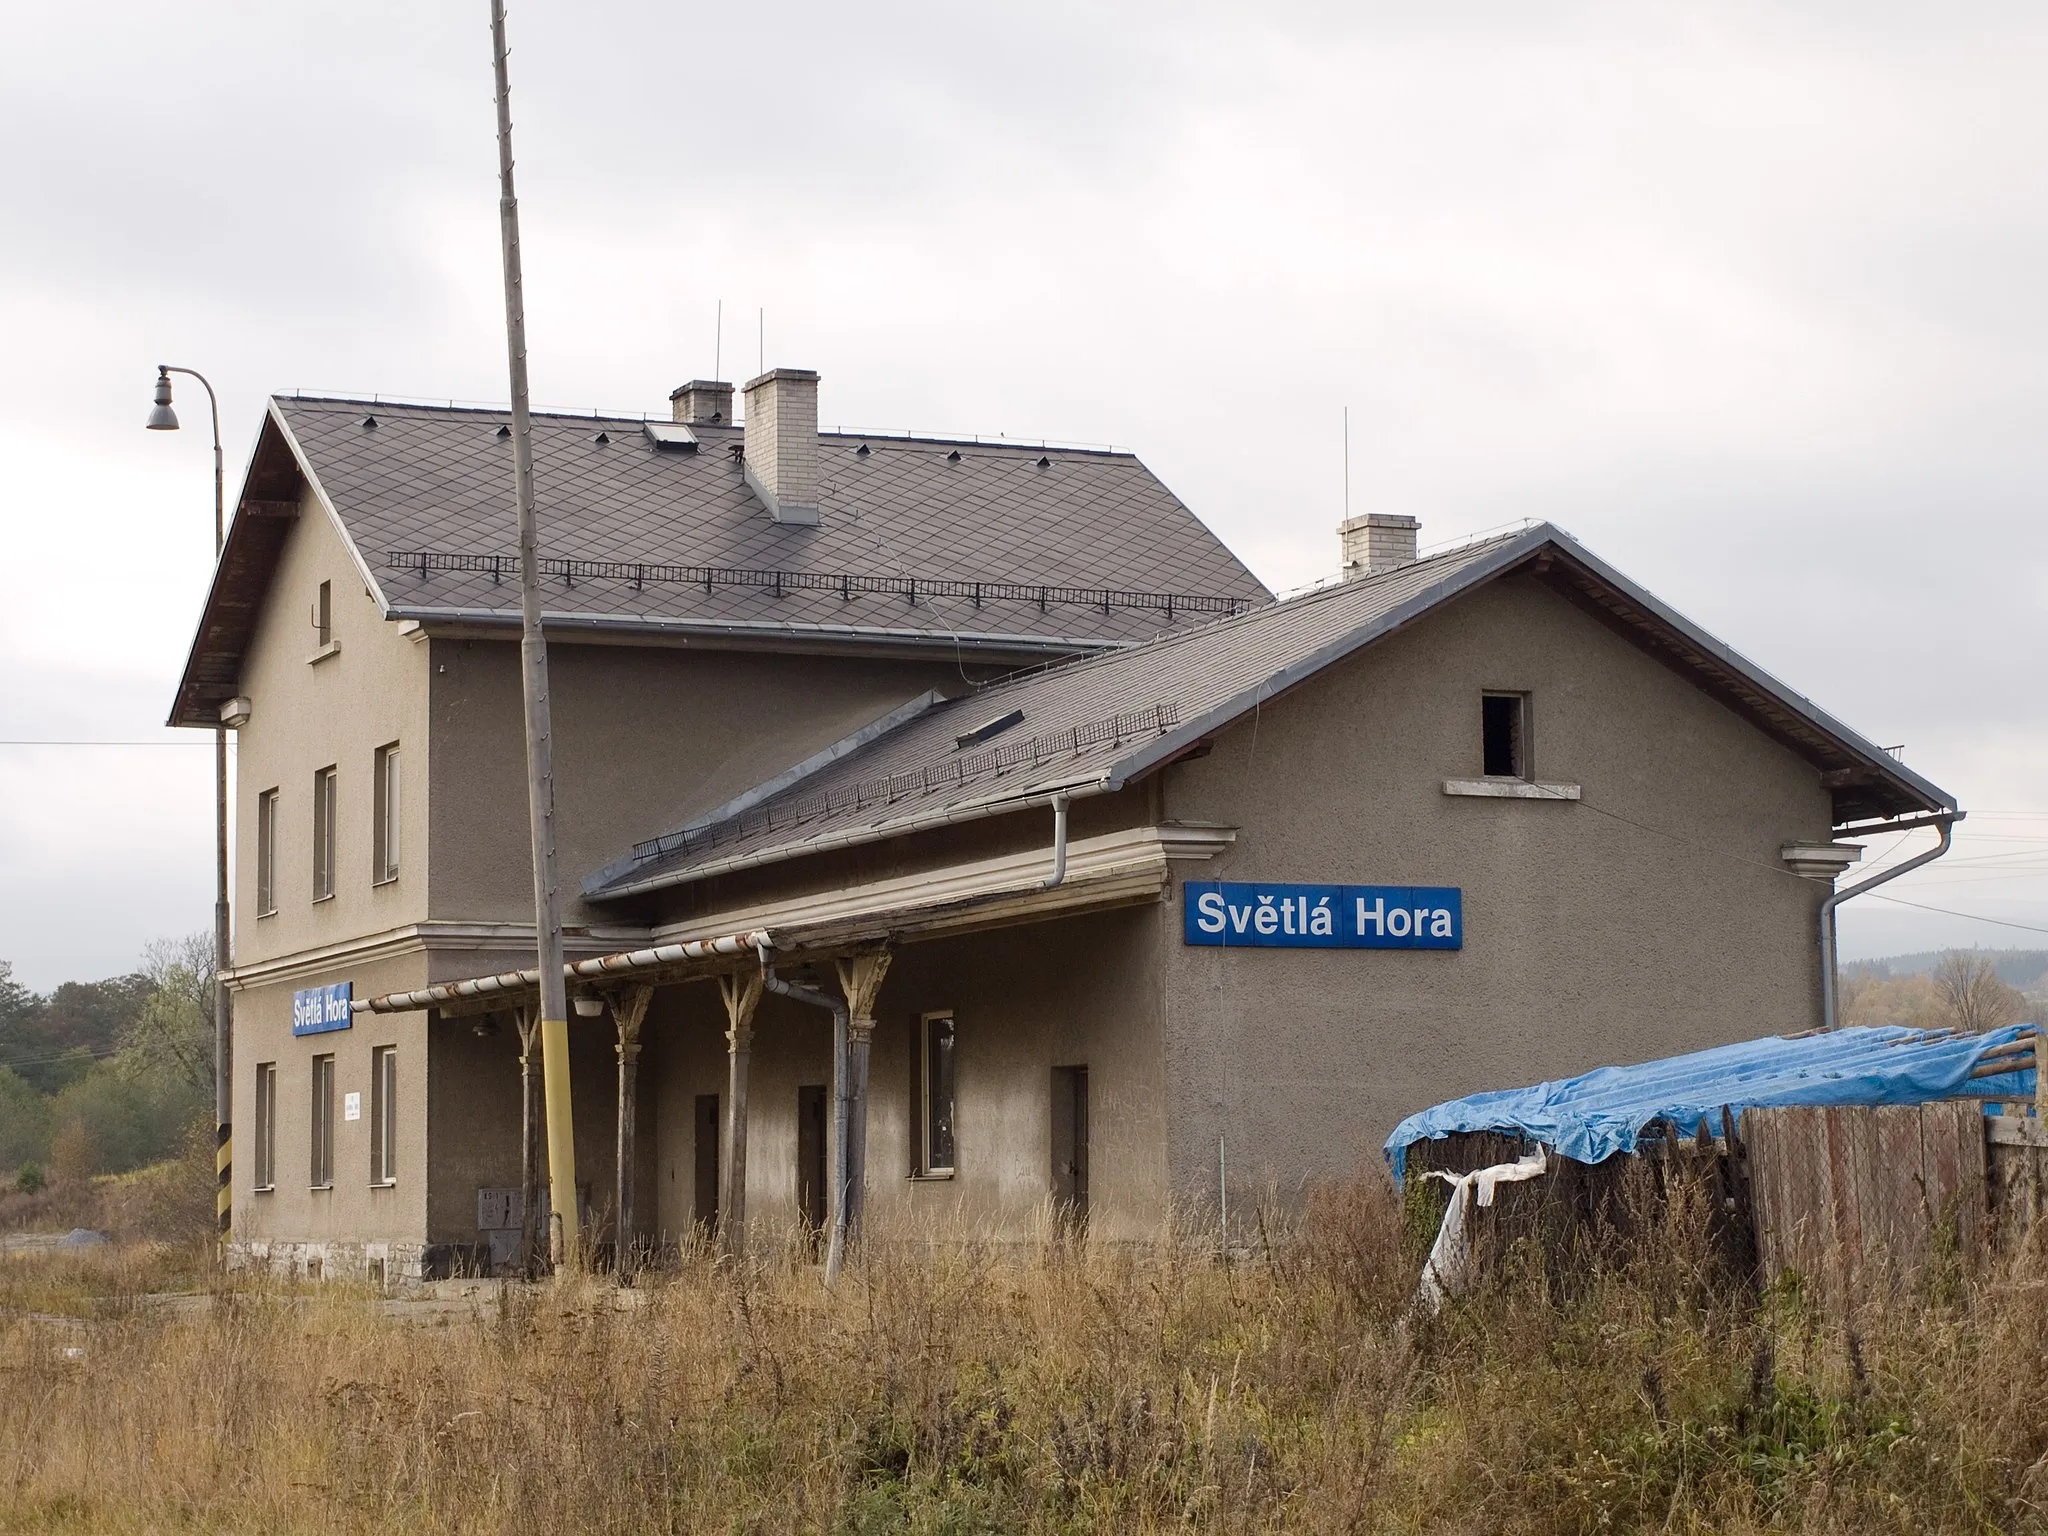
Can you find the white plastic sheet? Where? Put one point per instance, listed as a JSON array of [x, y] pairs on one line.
[[1450, 1257]]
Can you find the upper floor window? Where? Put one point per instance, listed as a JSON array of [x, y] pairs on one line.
[[323, 614], [384, 839], [1504, 735], [266, 853], [323, 833]]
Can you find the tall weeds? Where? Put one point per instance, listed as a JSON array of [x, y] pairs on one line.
[[954, 1386]]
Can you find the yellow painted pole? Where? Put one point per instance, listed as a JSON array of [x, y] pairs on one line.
[[565, 1241]]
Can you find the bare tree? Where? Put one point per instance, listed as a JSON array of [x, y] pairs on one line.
[[173, 1030], [1973, 994]]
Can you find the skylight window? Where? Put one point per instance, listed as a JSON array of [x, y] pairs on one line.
[[988, 728], [672, 434]]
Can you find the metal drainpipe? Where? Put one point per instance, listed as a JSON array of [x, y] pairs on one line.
[[1829, 1000], [835, 1247], [1059, 842]]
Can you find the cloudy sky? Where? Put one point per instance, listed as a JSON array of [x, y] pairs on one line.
[[1747, 296]]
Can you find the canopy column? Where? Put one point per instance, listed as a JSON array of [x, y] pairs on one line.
[[629, 1011], [742, 995], [526, 1019], [860, 979]]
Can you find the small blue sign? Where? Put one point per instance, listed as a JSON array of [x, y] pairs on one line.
[[1236, 914], [317, 1010]]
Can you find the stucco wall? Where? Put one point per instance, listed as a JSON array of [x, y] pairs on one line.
[[307, 714], [1588, 937], [352, 1211], [645, 737]]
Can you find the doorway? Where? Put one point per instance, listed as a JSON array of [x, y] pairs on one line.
[[810, 1160], [1070, 1147], [707, 1162]]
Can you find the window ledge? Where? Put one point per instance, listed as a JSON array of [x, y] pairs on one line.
[[932, 1178], [1510, 789], [264, 1189], [321, 1189], [318, 899], [384, 880], [270, 912], [383, 1183], [331, 648]]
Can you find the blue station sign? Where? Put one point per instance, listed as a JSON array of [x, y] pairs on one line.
[[317, 1010], [1234, 914]]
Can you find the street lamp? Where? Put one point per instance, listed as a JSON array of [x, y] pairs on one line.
[[163, 419]]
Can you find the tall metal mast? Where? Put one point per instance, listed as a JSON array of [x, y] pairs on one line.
[[533, 659]]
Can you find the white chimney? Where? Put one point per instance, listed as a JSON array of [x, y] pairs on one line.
[[1377, 542], [703, 403], [782, 443]]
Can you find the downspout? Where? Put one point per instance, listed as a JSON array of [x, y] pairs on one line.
[[1829, 988], [835, 1248], [1059, 841]]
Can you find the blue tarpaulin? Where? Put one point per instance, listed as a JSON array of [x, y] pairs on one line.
[[1593, 1116]]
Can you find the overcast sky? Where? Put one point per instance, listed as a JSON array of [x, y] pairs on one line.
[[1748, 297]]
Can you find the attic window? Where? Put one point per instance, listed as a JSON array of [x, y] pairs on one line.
[[988, 728], [671, 434], [953, 457], [504, 431], [369, 421], [1044, 462], [602, 437], [862, 451], [1504, 735]]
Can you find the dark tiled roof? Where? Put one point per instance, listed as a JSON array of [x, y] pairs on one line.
[[438, 481], [1104, 721]]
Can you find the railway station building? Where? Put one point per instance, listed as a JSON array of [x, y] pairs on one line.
[[962, 815]]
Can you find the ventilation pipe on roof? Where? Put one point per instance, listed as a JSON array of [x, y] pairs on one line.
[[1377, 542], [835, 1247], [1830, 1002], [782, 443]]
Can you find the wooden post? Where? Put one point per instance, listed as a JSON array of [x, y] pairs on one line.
[[525, 1019], [742, 995], [860, 978], [629, 1010]]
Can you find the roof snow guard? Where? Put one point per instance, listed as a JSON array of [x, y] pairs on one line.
[[1103, 722], [1593, 1116]]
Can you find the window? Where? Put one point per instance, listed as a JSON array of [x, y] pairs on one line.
[[323, 614], [932, 1095], [323, 834], [384, 1115], [266, 853], [323, 1123], [384, 865], [266, 1124], [1504, 732]]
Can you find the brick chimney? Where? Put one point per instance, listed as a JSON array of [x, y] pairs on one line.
[[1377, 542], [703, 403], [782, 443]]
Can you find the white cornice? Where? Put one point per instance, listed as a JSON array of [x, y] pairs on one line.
[[414, 938]]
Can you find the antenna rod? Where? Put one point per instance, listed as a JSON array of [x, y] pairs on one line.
[[533, 659], [1347, 463]]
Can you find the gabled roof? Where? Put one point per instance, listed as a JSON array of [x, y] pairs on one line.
[[1096, 725], [995, 547]]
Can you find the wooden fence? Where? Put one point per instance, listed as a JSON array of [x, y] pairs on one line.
[[1862, 1203]]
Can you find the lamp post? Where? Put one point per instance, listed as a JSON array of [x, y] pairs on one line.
[[163, 419]]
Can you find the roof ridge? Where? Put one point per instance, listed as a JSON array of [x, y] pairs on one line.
[[1257, 611]]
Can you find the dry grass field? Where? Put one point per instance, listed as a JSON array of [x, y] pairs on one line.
[[950, 1387]]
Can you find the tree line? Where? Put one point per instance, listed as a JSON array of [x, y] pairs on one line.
[[106, 1076]]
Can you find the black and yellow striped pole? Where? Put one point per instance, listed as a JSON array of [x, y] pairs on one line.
[[163, 419]]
